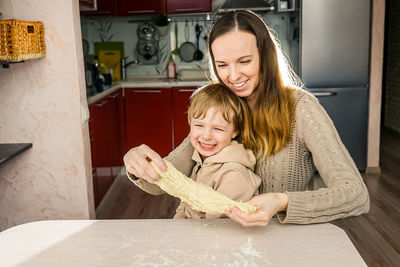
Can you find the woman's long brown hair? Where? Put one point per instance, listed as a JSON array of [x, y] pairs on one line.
[[273, 112]]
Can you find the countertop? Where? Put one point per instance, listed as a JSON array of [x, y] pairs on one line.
[[146, 82], [162, 242]]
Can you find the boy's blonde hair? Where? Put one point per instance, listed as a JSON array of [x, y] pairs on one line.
[[232, 108]]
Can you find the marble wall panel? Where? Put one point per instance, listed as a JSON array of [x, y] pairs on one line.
[[40, 103]]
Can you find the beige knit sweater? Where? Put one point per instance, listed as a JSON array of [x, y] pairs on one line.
[[315, 142]]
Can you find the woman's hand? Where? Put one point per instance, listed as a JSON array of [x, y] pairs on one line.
[[137, 163], [267, 204]]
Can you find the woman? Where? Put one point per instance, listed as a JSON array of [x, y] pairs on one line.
[[291, 133]]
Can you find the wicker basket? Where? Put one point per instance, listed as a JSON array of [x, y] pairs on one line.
[[21, 40]]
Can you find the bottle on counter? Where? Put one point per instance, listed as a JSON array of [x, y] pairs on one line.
[[171, 68], [104, 75]]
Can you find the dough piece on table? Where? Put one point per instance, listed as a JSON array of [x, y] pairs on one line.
[[197, 195]]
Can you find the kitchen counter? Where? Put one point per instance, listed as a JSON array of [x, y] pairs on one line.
[[220, 242], [143, 83]]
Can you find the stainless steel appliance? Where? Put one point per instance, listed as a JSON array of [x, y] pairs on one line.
[[335, 65]]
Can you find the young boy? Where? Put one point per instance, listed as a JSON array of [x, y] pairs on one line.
[[216, 117]]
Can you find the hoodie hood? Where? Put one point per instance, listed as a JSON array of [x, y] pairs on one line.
[[235, 152]]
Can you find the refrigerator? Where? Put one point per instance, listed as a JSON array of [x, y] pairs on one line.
[[334, 65]]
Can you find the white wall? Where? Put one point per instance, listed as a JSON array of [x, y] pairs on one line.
[[40, 103], [124, 29]]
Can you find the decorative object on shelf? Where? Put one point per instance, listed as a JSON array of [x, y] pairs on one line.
[[21, 40], [162, 24]]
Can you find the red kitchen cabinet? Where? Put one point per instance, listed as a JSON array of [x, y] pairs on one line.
[[129, 7], [105, 141], [148, 118], [188, 6], [104, 7], [180, 103], [104, 127], [98, 136]]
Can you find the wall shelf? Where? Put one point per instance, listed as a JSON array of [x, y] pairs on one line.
[[6, 64], [9, 151]]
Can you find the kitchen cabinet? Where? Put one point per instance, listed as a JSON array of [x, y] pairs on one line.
[[180, 103], [188, 6], [105, 141], [128, 7], [104, 7], [148, 118], [104, 128]]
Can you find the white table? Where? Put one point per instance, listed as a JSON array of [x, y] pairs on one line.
[[191, 243]]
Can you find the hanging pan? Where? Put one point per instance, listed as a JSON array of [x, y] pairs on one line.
[[187, 49]]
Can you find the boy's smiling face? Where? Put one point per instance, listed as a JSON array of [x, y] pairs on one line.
[[211, 134]]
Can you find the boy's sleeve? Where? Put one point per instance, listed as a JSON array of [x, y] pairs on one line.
[[236, 182]]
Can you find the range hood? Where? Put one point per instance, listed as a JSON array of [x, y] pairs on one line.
[[253, 5]]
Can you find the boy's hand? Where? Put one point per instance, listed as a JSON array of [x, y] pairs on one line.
[[137, 163]]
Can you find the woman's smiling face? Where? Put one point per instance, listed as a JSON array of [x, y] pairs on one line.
[[237, 62]]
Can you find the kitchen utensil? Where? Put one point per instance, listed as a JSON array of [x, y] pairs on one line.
[[187, 49], [147, 48], [109, 46], [112, 60], [198, 55], [175, 41], [145, 31]]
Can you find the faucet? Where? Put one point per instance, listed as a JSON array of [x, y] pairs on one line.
[[124, 65]]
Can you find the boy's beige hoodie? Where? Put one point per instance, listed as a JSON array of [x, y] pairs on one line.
[[229, 172]]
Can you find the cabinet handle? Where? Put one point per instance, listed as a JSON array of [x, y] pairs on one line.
[[147, 91], [141, 11], [187, 9], [101, 104], [113, 96], [186, 90], [102, 12], [324, 93]]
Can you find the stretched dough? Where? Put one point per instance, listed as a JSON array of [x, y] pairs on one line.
[[197, 195]]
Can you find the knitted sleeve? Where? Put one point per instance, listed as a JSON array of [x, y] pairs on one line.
[[180, 157], [345, 193]]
